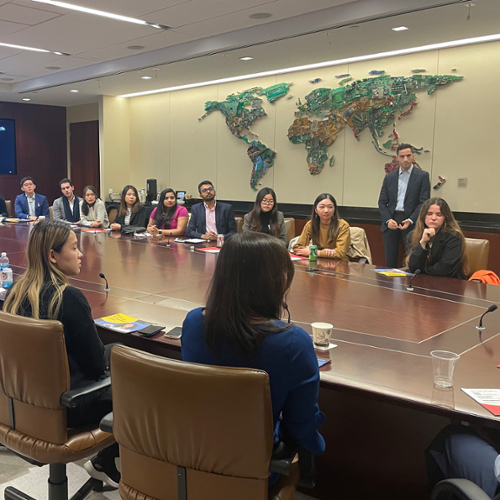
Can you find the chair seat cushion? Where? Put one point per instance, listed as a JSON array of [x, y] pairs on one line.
[[80, 444]]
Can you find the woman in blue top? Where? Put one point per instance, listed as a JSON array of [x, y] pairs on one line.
[[240, 326]]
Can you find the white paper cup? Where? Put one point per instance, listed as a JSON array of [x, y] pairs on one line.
[[41, 217], [443, 365], [321, 334]]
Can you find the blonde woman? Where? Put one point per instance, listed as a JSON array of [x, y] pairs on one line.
[[43, 292], [437, 242]]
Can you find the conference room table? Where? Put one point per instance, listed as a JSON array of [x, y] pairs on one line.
[[377, 392]]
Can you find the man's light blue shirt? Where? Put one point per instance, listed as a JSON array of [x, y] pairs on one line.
[[31, 204], [404, 177]]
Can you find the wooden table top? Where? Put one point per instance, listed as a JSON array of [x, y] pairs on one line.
[[384, 333]]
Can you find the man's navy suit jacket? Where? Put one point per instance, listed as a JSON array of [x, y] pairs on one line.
[[418, 191], [224, 220], [22, 210]]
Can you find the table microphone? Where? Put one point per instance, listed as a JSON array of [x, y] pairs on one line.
[[168, 239], [490, 309], [107, 289], [416, 273]]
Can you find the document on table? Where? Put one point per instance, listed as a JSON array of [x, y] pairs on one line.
[[190, 240], [488, 398], [392, 272]]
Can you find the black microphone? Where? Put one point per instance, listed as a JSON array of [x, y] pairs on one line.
[[107, 289], [416, 273], [490, 309], [168, 239]]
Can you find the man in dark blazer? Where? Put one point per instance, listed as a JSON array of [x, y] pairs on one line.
[[210, 218], [30, 205], [402, 194]]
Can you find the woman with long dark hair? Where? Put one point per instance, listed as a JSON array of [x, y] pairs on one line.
[[326, 230], [43, 292], [131, 212], [437, 242], [241, 326], [168, 216], [265, 216], [92, 209]]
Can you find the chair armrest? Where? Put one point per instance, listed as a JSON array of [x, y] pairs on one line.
[[70, 398], [106, 423], [282, 458], [458, 489]]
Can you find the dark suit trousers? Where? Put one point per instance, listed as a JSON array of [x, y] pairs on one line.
[[391, 240]]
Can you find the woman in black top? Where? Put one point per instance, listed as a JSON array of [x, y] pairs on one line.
[[265, 217], [43, 292], [131, 212], [437, 242]]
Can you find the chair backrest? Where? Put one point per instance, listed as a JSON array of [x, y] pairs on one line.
[[215, 422], [239, 224], [112, 213], [8, 204], [478, 254], [290, 228], [50, 212], [34, 372], [359, 245]]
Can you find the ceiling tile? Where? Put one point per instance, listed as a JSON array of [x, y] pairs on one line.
[[41, 6], [20, 14], [151, 42], [7, 28]]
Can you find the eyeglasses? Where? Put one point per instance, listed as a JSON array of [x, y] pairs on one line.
[[207, 190], [28, 184], [267, 202]]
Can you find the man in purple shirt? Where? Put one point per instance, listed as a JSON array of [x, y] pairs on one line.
[[210, 218]]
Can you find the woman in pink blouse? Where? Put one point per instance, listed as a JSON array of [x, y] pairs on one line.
[[168, 217]]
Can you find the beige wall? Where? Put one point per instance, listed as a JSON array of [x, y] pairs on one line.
[[159, 136]]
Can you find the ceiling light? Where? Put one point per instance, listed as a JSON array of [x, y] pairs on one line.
[[246, 58], [22, 47], [260, 15], [135, 47], [102, 13], [7, 79], [354, 26], [146, 77], [53, 68], [74, 91], [369, 57], [400, 28], [26, 99]]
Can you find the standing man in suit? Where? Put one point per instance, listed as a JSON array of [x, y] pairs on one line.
[[402, 194], [67, 207], [30, 205], [210, 218]]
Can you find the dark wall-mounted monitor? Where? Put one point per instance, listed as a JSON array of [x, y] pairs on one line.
[[7, 147]]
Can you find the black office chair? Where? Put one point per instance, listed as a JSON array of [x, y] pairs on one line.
[[458, 489]]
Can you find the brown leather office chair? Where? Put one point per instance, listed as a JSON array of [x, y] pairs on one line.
[[478, 253], [50, 212], [290, 228], [193, 432], [34, 395], [112, 213], [8, 204], [239, 224]]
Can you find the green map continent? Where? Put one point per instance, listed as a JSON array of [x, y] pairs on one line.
[[240, 111], [369, 103]]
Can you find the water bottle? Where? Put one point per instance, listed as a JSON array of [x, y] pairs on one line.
[[6, 277], [4, 261]]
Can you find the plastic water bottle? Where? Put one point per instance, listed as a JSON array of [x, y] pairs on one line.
[[4, 261], [6, 277]]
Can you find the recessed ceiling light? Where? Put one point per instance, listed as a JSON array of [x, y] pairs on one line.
[[26, 99], [325, 64], [53, 68], [146, 77], [74, 91], [260, 15], [102, 13], [34, 49], [246, 58], [400, 28], [135, 47], [7, 79], [354, 26]]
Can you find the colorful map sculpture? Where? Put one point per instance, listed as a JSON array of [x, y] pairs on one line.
[[240, 111], [370, 103]]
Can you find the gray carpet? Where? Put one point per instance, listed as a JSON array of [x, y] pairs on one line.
[[33, 480]]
